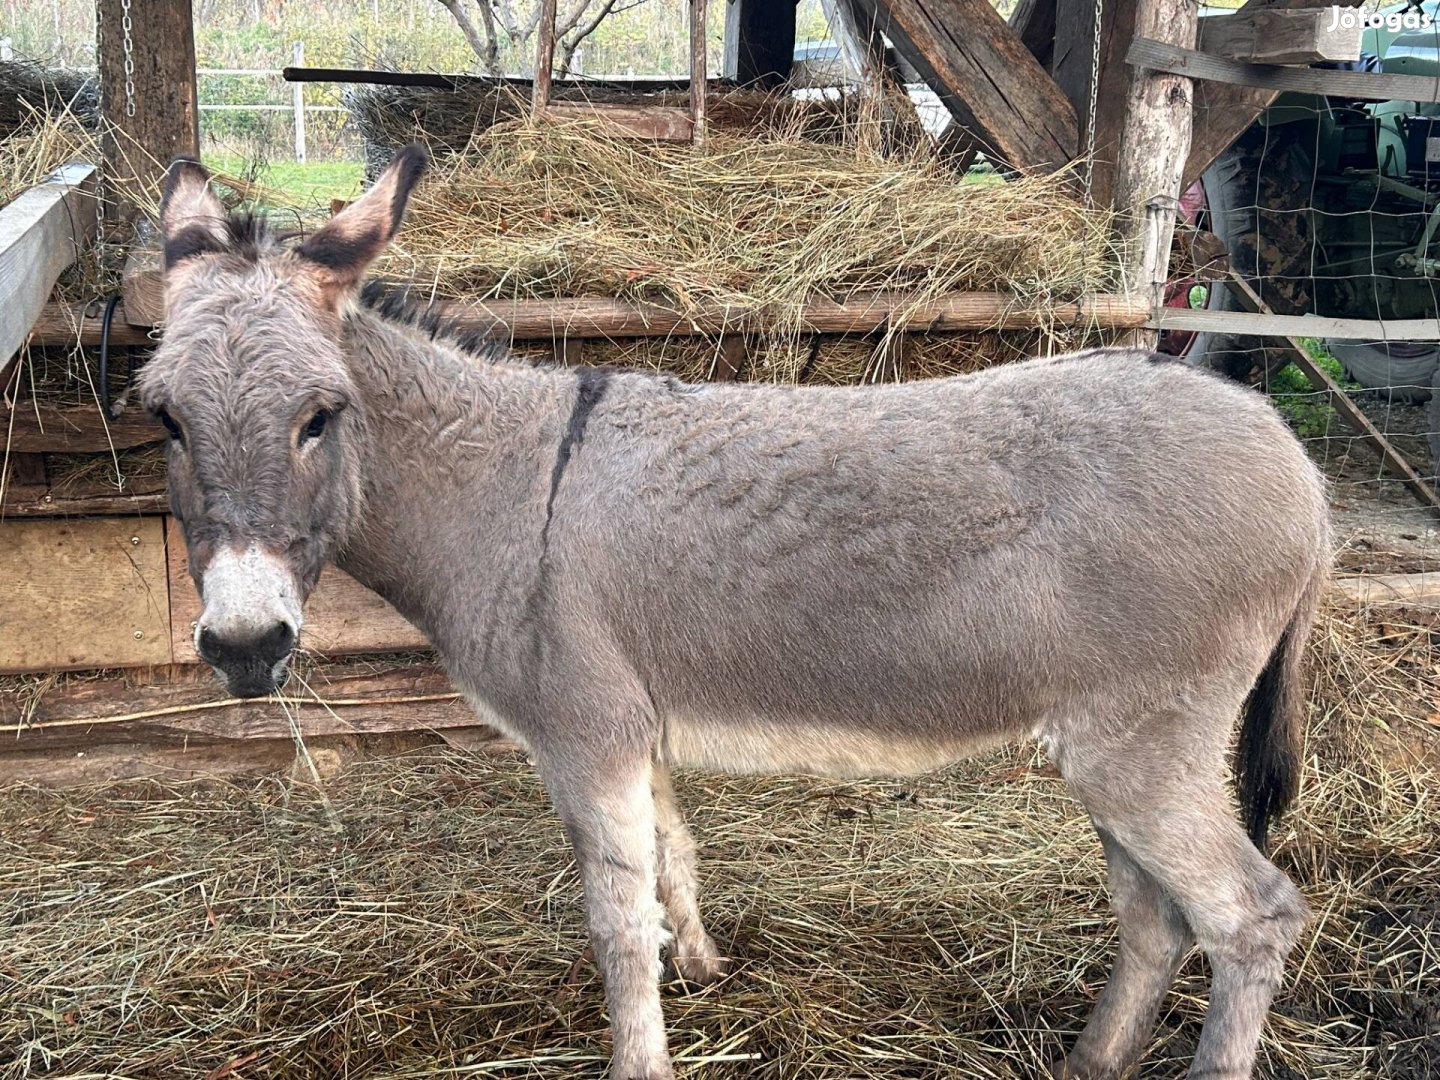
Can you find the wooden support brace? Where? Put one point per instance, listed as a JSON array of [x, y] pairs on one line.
[[985, 76], [546, 320]]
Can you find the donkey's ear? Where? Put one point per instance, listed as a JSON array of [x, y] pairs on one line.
[[339, 252], [191, 217]]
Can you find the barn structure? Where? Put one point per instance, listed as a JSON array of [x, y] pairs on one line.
[[1124, 89]]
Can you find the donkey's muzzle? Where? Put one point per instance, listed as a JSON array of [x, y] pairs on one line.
[[253, 665]]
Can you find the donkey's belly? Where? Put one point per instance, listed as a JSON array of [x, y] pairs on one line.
[[762, 746]]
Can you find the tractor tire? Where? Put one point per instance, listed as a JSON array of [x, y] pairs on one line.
[[1403, 369], [1256, 194]]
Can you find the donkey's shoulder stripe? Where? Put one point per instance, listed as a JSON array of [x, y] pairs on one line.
[[592, 384]]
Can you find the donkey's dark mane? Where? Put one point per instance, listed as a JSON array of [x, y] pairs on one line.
[[397, 303]]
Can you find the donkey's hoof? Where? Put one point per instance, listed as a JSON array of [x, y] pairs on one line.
[[654, 1070], [701, 968], [1072, 1068]]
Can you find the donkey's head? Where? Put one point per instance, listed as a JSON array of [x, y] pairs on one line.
[[252, 382]]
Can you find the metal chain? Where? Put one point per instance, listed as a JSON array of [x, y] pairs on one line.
[[127, 26], [1094, 101], [100, 122]]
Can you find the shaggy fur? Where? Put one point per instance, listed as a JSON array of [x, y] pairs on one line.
[[627, 573]]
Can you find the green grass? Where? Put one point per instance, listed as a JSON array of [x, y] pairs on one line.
[[1308, 411], [312, 184]]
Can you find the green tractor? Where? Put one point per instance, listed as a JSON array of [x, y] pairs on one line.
[[1332, 206]]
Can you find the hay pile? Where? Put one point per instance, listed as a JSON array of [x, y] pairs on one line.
[[388, 117], [27, 88], [38, 144], [761, 224], [950, 926]]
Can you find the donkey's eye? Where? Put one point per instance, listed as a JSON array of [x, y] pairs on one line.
[[316, 427], [176, 435]]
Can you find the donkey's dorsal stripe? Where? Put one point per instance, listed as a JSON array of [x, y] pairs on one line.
[[592, 385]]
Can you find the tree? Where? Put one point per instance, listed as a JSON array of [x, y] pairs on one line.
[[502, 19]]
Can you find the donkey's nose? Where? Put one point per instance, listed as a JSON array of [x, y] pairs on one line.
[[253, 664]]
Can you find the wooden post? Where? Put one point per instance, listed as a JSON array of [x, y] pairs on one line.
[[697, 71], [759, 41], [297, 58], [544, 56], [1153, 147], [146, 60]]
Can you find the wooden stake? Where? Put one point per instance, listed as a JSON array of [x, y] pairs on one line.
[[1153, 148]]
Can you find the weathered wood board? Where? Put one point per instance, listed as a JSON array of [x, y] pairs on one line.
[[88, 593], [41, 232], [341, 616], [985, 76], [1268, 36]]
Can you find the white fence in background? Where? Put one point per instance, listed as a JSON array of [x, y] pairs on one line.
[[296, 106]]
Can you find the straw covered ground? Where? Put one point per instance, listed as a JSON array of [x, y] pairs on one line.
[[420, 917]]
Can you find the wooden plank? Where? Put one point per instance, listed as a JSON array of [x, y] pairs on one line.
[[1349, 412], [759, 43], [37, 428], [1269, 36], [1153, 148], [985, 76], [83, 594], [41, 233], [1270, 324], [546, 320], [1389, 590], [147, 94], [29, 503], [1362, 85], [341, 616], [629, 121]]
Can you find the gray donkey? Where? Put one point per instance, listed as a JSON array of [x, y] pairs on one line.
[[1109, 553]]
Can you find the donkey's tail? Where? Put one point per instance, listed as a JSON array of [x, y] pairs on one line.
[[1267, 764]]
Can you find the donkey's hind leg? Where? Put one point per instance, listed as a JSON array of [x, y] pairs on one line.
[[1154, 939], [1157, 790], [692, 952]]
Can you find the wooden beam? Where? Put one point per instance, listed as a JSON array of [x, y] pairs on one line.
[[1349, 412], [759, 42], [1389, 590], [83, 594], [1034, 22], [1223, 111], [1269, 36], [985, 76], [1161, 56], [41, 233], [1153, 148], [550, 320], [37, 428], [629, 121], [1270, 324], [26, 503], [148, 97]]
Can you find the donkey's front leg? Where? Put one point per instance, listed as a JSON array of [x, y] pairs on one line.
[[609, 813]]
